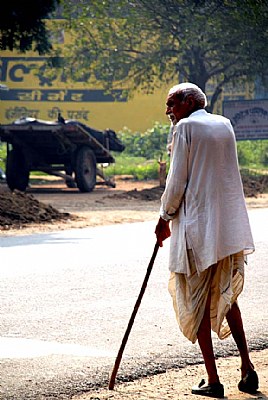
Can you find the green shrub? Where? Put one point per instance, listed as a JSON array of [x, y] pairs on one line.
[[150, 144], [3, 154], [253, 153]]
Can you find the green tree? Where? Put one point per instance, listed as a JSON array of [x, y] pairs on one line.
[[22, 25], [141, 44]]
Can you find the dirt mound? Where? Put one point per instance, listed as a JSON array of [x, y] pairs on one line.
[[17, 209], [254, 185], [151, 194]]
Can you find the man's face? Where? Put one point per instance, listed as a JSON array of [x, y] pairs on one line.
[[177, 109]]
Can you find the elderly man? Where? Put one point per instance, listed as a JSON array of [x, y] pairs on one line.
[[210, 235]]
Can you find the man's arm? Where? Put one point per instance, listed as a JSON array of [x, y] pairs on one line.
[[177, 178]]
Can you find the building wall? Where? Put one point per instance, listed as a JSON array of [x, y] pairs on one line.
[[32, 94]]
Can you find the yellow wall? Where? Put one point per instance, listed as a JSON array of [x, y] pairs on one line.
[[35, 96]]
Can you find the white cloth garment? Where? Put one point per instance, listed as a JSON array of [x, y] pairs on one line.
[[224, 281], [204, 194]]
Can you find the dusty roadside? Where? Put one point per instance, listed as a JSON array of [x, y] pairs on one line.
[[176, 384]]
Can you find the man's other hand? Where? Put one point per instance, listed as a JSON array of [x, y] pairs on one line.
[[162, 231]]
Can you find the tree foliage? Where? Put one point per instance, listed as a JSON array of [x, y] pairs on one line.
[[141, 44], [22, 25]]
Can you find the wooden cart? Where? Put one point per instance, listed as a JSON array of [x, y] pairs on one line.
[[68, 149]]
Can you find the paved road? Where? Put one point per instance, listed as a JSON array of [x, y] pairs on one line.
[[66, 299]]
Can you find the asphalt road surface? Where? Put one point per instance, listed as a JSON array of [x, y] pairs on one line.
[[66, 299]]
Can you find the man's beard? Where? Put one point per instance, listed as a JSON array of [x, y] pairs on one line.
[[172, 119]]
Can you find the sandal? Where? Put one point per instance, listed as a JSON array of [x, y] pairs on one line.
[[212, 390], [250, 382]]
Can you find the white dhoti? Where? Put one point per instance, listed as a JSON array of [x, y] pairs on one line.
[[224, 280]]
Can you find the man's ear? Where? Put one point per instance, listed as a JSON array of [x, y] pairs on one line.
[[190, 101]]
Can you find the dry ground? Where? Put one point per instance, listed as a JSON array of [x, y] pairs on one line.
[[176, 384], [130, 201]]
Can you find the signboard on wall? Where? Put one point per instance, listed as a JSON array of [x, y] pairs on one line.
[[248, 117], [33, 94]]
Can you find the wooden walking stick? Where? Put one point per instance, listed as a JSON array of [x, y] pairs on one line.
[[132, 318]]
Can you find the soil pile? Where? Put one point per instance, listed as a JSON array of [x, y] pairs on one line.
[[254, 185], [151, 194], [17, 209]]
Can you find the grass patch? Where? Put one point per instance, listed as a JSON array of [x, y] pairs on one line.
[[139, 167]]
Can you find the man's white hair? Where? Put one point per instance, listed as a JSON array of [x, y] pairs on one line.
[[187, 88]]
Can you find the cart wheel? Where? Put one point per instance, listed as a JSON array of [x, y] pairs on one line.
[[85, 172], [17, 173]]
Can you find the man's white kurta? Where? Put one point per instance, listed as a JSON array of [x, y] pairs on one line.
[[205, 192]]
